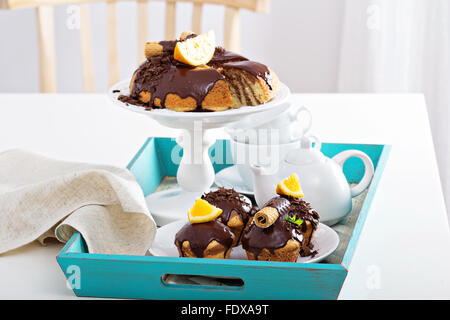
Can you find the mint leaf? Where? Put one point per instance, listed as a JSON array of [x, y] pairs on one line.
[[294, 220]]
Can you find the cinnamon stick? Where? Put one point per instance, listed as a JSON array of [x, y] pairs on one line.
[[266, 217], [153, 49], [185, 34]]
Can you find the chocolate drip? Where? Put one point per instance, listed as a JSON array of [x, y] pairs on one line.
[[168, 45], [274, 237], [161, 75], [223, 55], [255, 68], [279, 203], [228, 200], [186, 82], [200, 235]]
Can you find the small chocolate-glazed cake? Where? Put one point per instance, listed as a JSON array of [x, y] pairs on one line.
[[210, 239], [281, 231], [236, 212]]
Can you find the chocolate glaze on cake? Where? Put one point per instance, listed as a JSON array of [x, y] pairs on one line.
[[279, 203], [274, 237], [168, 45], [179, 80], [255, 68], [162, 75], [200, 235], [229, 200], [277, 235], [223, 55]]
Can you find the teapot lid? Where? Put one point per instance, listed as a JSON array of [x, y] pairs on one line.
[[306, 154]]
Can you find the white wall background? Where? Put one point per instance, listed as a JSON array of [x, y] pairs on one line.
[[299, 39], [314, 46]]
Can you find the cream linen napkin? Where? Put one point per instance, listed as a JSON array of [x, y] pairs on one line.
[[42, 197]]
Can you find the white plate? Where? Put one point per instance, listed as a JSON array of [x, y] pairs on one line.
[[231, 179], [325, 241]]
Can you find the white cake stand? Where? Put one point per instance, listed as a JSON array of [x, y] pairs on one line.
[[195, 174]]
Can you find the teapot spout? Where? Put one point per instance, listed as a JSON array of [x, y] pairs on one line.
[[261, 174], [263, 183], [257, 170]]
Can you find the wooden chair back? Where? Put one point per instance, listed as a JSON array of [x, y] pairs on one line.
[[46, 32]]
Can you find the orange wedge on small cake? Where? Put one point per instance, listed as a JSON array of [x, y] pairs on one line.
[[203, 211], [290, 187], [197, 50]]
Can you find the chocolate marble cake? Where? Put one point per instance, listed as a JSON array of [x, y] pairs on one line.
[[227, 81]]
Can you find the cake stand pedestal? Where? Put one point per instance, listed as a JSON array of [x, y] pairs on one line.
[[195, 173], [195, 176]]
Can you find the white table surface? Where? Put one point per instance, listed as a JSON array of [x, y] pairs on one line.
[[404, 248]]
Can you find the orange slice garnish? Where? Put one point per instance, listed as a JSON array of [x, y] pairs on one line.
[[290, 187], [203, 211], [197, 50]]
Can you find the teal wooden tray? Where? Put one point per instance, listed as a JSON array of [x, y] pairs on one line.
[[122, 276]]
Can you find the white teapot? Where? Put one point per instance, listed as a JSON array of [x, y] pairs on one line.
[[322, 179]]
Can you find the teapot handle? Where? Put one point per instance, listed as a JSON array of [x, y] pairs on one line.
[[296, 120], [311, 138], [340, 159]]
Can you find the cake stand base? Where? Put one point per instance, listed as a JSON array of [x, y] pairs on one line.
[[171, 205], [195, 173]]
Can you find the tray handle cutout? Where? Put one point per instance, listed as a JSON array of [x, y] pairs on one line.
[[201, 282]]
